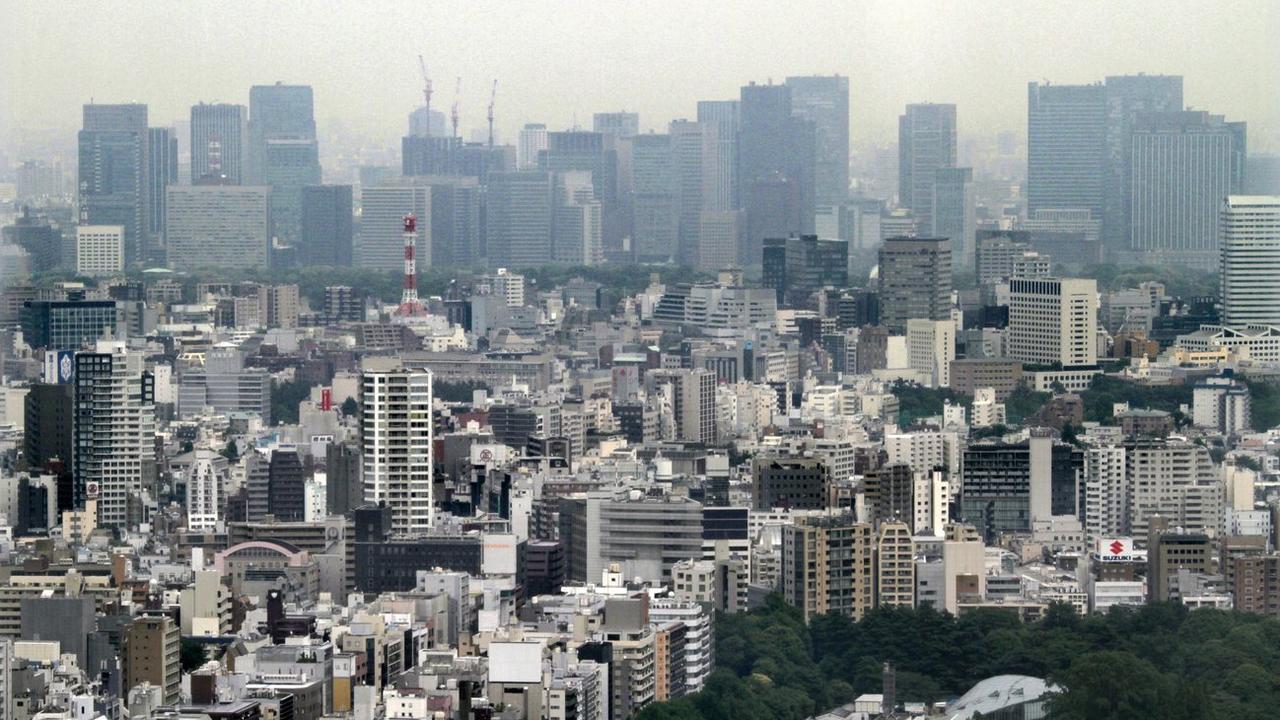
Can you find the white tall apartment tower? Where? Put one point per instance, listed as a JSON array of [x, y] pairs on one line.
[[931, 346], [1249, 243], [1053, 320], [204, 491], [395, 437], [99, 250], [532, 140]]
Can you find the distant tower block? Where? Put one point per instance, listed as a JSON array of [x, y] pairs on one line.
[[409, 303]]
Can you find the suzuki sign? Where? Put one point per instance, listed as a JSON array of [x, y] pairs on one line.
[[1116, 550]]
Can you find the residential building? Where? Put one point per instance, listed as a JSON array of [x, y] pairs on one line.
[[150, 651], [828, 565], [396, 442]]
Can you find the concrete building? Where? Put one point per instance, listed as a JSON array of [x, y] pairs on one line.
[[926, 143], [931, 348], [218, 226], [954, 212], [797, 267], [687, 403], [150, 653], [644, 535], [824, 101], [790, 482], [396, 442], [1171, 552], [1222, 405], [520, 219], [1006, 488], [828, 565], [205, 493], [219, 143], [1066, 147], [915, 281], [327, 237], [1175, 480], [1053, 321], [382, 211], [1249, 243], [224, 385], [114, 172], [895, 566], [99, 250]]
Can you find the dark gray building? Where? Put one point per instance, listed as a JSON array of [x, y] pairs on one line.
[[915, 281], [68, 324], [162, 162], [775, 156], [926, 142], [1066, 147], [286, 486], [113, 170], [797, 267], [824, 101], [519, 219], [219, 142], [326, 226], [67, 620]]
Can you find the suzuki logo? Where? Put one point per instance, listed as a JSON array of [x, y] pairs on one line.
[[1116, 547]]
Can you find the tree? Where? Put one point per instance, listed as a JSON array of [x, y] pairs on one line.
[[191, 654], [231, 451], [350, 407], [1110, 685]]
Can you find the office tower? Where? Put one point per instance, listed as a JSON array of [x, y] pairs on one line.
[[688, 402], [113, 172], [219, 142], [915, 280], [1066, 147], [1180, 167], [382, 226], [1127, 97], [39, 238], [828, 565], [455, 221], [931, 346], [218, 226], [532, 141], [645, 536], [1007, 487], [204, 490], [283, 153], [1170, 552], [395, 442], [1053, 320], [38, 180], [954, 214], [114, 434], [725, 117], [926, 143], [225, 386], [162, 171], [326, 225], [793, 483], [655, 220], [99, 250], [775, 156], [578, 221], [618, 124], [434, 155], [695, 171], [420, 125], [286, 486], [597, 153], [150, 651], [824, 101], [47, 421], [797, 267], [895, 566], [519, 224], [69, 324], [719, 237], [1250, 271]]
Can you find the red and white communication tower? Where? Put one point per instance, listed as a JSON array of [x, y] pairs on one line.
[[409, 303]]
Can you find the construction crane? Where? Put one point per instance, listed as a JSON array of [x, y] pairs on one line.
[[453, 114], [492, 95], [426, 91]]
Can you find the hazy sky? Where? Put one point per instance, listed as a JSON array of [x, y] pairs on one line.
[[554, 59]]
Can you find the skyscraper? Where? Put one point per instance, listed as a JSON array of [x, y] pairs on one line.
[[1250, 270], [162, 171], [326, 225], [655, 221], [926, 142], [621, 124], [219, 141], [578, 221], [597, 153], [282, 151], [954, 212], [1128, 96], [824, 101], [532, 141], [725, 117], [915, 280], [395, 442], [775, 167], [1180, 167], [455, 222], [519, 225], [114, 433], [113, 171], [382, 226], [291, 165], [218, 226], [1053, 321], [695, 159], [1066, 147]]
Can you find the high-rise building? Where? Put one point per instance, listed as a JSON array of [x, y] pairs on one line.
[[326, 225], [382, 226], [824, 101], [1127, 97], [395, 442], [655, 220], [218, 226], [99, 250], [150, 648], [695, 149], [291, 165], [69, 324], [283, 153], [1174, 480], [286, 486], [532, 141], [1053, 321], [775, 160], [578, 221], [725, 117], [895, 566], [618, 124], [797, 267], [114, 434], [828, 565], [645, 536], [915, 280], [520, 212], [1007, 487], [114, 182], [1250, 269], [954, 212], [931, 346], [1066, 147], [596, 153], [1180, 167], [162, 171], [688, 400], [219, 142], [926, 143], [205, 490], [455, 221]]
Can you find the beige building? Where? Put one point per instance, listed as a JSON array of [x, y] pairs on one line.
[[151, 649], [828, 565], [895, 566]]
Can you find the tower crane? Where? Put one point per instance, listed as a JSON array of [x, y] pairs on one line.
[[492, 95], [426, 90], [453, 113]]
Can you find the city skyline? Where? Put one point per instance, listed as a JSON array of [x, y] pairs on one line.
[[891, 56]]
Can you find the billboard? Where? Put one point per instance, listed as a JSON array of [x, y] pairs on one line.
[[1116, 550], [60, 367]]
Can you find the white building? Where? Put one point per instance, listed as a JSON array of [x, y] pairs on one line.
[[507, 285], [1221, 404], [1174, 479], [985, 411], [204, 490], [217, 226], [931, 346], [99, 250], [1106, 492], [1256, 343], [396, 438], [1053, 320], [1249, 243]]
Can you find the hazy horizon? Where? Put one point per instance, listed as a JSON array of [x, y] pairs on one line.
[[556, 62]]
